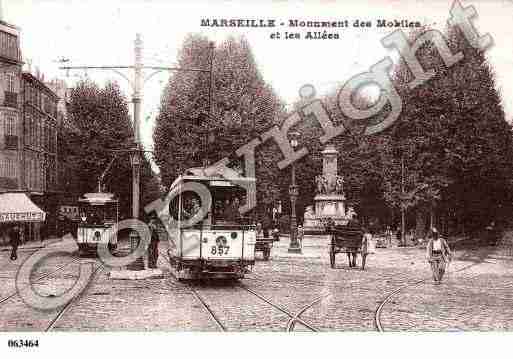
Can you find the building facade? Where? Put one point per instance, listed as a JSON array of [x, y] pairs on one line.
[[39, 162], [11, 126], [28, 144]]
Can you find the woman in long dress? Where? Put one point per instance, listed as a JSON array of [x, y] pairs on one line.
[[438, 254]]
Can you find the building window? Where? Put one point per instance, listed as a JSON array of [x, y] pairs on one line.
[[9, 129], [42, 175], [31, 173], [37, 133], [11, 125], [10, 82], [8, 167], [33, 131], [9, 45], [10, 93]]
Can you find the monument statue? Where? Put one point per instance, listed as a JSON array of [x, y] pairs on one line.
[[330, 200], [350, 213], [318, 180], [325, 185], [339, 186]]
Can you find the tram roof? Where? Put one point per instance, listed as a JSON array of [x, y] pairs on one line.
[[214, 178], [98, 198]]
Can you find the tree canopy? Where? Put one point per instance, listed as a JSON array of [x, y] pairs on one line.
[[449, 154], [243, 106], [98, 124]]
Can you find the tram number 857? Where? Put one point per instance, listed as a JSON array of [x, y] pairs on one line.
[[219, 250]]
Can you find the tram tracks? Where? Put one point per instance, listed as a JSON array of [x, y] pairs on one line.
[[68, 305], [37, 280], [290, 325], [377, 314], [292, 322], [211, 313], [293, 317], [42, 316]]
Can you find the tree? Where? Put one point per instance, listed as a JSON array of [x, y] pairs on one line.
[[243, 106], [98, 125], [453, 139]]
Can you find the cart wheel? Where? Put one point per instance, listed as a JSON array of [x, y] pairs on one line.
[[332, 259], [267, 254]]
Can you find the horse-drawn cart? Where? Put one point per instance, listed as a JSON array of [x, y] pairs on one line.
[[349, 240]]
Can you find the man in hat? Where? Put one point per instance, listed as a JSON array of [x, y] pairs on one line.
[[14, 235], [300, 235], [153, 250], [438, 254]]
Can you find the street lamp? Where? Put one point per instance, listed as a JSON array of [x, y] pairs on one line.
[[135, 162], [293, 193]]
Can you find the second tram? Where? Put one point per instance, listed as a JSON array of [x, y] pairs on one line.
[[98, 212]]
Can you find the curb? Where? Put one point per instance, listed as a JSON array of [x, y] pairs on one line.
[[125, 274]]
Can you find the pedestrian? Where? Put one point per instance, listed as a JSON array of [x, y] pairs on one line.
[[259, 230], [438, 254], [399, 236], [366, 245], [14, 235], [276, 234], [388, 234], [153, 250], [266, 225], [300, 235]]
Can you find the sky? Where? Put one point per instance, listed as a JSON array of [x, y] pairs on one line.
[[100, 33]]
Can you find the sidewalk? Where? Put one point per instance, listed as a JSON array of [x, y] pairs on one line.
[[33, 245], [313, 247]]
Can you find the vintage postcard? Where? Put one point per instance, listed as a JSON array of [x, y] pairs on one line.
[[255, 166]]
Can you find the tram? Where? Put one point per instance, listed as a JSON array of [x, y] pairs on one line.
[[98, 212], [222, 243]]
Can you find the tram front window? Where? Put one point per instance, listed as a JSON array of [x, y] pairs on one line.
[[226, 211], [190, 207], [97, 215], [185, 206]]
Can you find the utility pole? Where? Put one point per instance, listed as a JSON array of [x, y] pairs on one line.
[[137, 83], [210, 106], [403, 209]]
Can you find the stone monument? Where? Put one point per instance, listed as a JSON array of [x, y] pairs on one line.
[[330, 200]]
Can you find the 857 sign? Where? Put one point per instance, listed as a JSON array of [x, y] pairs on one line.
[[220, 250], [221, 247]]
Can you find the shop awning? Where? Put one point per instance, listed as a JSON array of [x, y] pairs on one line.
[[17, 207]]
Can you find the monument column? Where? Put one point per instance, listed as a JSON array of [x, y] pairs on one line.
[[329, 166], [330, 198]]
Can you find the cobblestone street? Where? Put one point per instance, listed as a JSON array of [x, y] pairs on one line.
[[476, 295]]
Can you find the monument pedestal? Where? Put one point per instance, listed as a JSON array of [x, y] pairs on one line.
[[330, 201], [331, 206], [326, 206], [296, 250]]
